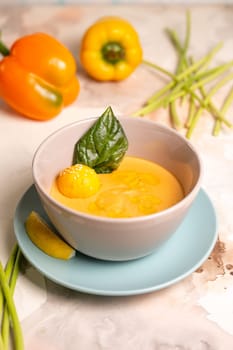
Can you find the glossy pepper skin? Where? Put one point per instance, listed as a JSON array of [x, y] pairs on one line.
[[110, 49], [38, 76]]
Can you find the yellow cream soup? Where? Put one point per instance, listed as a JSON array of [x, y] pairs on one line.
[[138, 187]]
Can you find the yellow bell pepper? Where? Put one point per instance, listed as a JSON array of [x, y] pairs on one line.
[[110, 49]]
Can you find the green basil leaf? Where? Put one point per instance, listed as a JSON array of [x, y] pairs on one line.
[[103, 146]]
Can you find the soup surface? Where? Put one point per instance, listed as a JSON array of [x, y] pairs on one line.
[[138, 187]]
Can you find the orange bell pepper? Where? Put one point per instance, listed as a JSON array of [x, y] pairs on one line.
[[38, 76]]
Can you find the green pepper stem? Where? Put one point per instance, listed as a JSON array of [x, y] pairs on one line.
[[113, 52], [4, 49]]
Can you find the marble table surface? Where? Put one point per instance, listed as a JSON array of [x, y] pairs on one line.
[[193, 314]]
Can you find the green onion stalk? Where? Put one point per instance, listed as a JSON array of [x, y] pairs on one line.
[[8, 312], [188, 82]]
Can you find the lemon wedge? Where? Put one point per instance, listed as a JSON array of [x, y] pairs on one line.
[[46, 239]]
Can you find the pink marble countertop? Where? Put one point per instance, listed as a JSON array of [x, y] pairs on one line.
[[197, 312]]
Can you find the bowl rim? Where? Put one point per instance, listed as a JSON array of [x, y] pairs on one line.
[[97, 218]]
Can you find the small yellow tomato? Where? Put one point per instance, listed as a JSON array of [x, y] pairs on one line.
[[78, 181]]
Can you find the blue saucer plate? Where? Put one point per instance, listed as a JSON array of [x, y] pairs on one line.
[[185, 251]]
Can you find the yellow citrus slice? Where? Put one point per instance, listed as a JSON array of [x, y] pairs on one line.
[[46, 239], [78, 181]]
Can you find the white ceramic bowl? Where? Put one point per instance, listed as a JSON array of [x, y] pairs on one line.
[[127, 238]]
